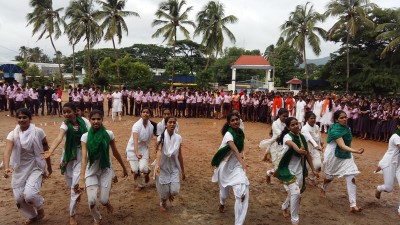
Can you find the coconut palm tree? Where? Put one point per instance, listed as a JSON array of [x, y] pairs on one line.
[[171, 15], [114, 23], [46, 20], [270, 52], [212, 25], [84, 19], [391, 32], [24, 52], [73, 38], [352, 15], [301, 28], [35, 54]]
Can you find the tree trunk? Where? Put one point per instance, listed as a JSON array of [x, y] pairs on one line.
[[348, 63], [73, 64], [305, 67], [89, 72], [173, 65], [116, 57], [58, 61]]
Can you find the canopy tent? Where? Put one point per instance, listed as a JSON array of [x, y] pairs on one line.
[[253, 62], [10, 69]]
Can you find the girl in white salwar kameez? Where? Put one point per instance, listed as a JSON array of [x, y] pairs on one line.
[[389, 165], [326, 113], [314, 142], [230, 169], [169, 163], [96, 168], [300, 110], [338, 159], [292, 168], [72, 128], [271, 145], [137, 149], [24, 147], [116, 105]]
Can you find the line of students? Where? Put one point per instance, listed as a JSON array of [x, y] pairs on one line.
[[85, 161]]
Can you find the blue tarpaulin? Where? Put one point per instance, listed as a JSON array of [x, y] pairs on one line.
[[10, 69]]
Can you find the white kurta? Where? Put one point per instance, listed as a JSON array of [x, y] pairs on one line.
[[313, 138], [117, 102], [144, 137], [392, 154], [170, 167], [337, 167], [300, 110], [271, 145], [317, 110], [327, 117]]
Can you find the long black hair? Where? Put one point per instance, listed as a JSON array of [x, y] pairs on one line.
[[286, 130], [281, 111], [25, 112], [226, 125]]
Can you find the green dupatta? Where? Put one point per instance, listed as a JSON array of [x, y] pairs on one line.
[[238, 139], [337, 131], [283, 173], [397, 132], [72, 141], [98, 145]]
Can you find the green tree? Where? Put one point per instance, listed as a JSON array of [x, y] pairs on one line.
[[191, 53], [212, 24], [153, 55], [46, 20], [113, 14], [24, 52], [352, 15], [390, 31], [171, 15], [301, 28], [84, 19]]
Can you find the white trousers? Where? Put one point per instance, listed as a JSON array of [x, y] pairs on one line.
[[351, 188], [139, 166], [293, 199], [92, 199], [72, 174], [28, 197], [317, 162], [240, 206], [389, 173], [167, 190]]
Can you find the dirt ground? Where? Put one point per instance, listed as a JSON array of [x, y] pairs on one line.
[[197, 201]]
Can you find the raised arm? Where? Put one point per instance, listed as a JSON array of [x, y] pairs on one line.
[[55, 144], [237, 154], [346, 148], [117, 156]]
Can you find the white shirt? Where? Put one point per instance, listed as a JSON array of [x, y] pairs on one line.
[[393, 153], [144, 137]]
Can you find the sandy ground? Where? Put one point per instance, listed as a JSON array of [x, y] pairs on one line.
[[197, 202]]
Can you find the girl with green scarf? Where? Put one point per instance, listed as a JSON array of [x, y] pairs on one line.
[[389, 164], [72, 129], [96, 170], [230, 168], [338, 159], [292, 169]]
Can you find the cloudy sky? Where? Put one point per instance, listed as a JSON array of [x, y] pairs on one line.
[[258, 24]]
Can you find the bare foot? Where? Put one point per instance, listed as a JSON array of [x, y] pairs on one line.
[[31, 221], [221, 208], [378, 194], [322, 194], [138, 188], [268, 179], [72, 220], [40, 214], [97, 222], [110, 209], [355, 209], [163, 206], [285, 213], [146, 178]]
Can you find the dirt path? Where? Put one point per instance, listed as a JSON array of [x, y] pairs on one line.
[[198, 199]]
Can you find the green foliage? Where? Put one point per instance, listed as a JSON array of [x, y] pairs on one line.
[[32, 71], [204, 78], [153, 55], [181, 68]]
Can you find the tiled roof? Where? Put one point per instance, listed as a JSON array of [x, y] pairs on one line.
[[256, 60]]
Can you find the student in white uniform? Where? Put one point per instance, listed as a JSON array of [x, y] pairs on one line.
[[389, 165], [96, 168], [300, 110], [317, 109], [230, 168], [274, 150], [116, 105], [314, 142], [338, 160], [24, 147], [161, 126], [72, 129], [169, 163], [137, 149], [292, 168]]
